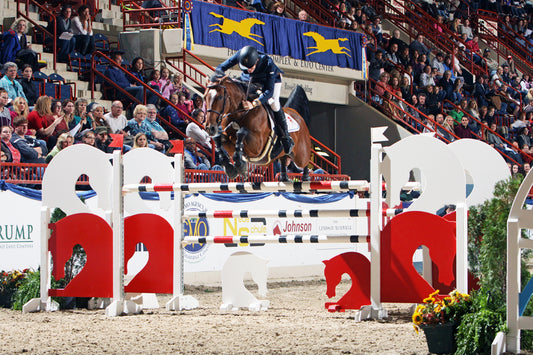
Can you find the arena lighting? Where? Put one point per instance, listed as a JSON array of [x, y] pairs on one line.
[[324, 154]]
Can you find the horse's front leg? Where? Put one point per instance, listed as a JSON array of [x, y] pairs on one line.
[[224, 158], [283, 173], [238, 157]]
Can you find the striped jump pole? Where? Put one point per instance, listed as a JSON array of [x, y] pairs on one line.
[[391, 212], [247, 187], [276, 239]]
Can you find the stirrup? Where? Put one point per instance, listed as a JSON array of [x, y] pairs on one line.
[[276, 149]]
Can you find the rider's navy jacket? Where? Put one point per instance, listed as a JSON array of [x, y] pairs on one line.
[[266, 74]]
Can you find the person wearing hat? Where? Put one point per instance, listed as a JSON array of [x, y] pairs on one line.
[[260, 69], [438, 63], [102, 139]]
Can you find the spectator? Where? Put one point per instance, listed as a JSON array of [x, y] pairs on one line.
[[398, 41], [494, 139], [82, 29], [527, 167], [5, 114], [197, 102], [177, 86], [117, 76], [438, 63], [472, 109], [30, 90], [81, 116], [433, 102], [138, 125], [472, 47], [12, 154], [115, 119], [158, 132], [392, 55], [466, 29], [419, 46], [457, 93], [302, 15], [404, 57], [194, 159], [421, 106], [278, 9], [57, 113], [377, 30], [458, 112], [15, 47], [481, 89], [154, 83], [68, 114], [30, 149], [89, 138], [97, 115], [446, 84], [427, 77], [523, 137], [178, 119], [40, 120], [492, 65], [102, 139], [140, 141], [376, 66], [153, 15], [63, 141], [165, 83], [196, 132], [463, 130], [8, 82], [137, 69], [66, 42], [19, 107]]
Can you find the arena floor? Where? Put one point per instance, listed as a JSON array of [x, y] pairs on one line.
[[295, 323]]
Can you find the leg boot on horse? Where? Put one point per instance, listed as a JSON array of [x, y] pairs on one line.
[[224, 158], [241, 165], [284, 141]]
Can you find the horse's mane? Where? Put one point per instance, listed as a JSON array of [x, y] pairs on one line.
[[242, 85], [300, 103]]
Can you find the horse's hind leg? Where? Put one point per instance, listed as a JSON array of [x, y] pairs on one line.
[[241, 164]]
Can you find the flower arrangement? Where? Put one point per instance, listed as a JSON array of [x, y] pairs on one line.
[[10, 280], [440, 310]]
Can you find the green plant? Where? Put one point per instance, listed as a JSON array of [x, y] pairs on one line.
[[28, 288]]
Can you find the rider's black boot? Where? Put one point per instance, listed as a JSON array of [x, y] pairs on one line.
[[284, 141]]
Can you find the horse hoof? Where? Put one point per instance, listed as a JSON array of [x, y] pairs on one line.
[[231, 172]]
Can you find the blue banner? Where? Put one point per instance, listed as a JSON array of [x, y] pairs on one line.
[[220, 26]]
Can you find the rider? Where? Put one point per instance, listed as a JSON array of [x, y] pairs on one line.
[[260, 69]]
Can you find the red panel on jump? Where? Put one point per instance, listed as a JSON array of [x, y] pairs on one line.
[[223, 214], [157, 235], [223, 240], [96, 238]]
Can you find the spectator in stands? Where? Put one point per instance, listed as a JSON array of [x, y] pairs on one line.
[[30, 149], [457, 93], [302, 16], [57, 112], [89, 138], [82, 29], [28, 85], [446, 84], [507, 76], [481, 89], [194, 158], [418, 68], [472, 47], [40, 120], [458, 112], [102, 139], [395, 39], [278, 9], [433, 103], [158, 132], [12, 154], [404, 57], [527, 167], [178, 119], [196, 132], [503, 102], [115, 119], [81, 116], [466, 29], [494, 139], [63, 141], [19, 107], [140, 141], [472, 109], [68, 114], [419, 46], [177, 86], [154, 83], [153, 15], [376, 66], [377, 30], [8, 82], [463, 130], [15, 47], [405, 87], [165, 83], [197, 102], [520, 123], [97, 115], [438, 63], [421, 106], [523, 137], [427, 77], [117, 76], [5, 114], [66, 42], [392, 55], [492, 65], [137, 69], [138, 125]]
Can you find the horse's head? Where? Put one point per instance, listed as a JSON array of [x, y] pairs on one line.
[[333, 277], [221, 98]]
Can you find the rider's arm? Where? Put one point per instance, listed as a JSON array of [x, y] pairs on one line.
[[228, 63], [268, 85]]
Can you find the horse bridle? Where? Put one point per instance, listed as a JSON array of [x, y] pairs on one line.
[[220, 115]]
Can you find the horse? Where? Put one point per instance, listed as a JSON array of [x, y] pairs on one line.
[[248, 134]]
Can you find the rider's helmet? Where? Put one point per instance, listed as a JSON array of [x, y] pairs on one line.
[[248, 57]]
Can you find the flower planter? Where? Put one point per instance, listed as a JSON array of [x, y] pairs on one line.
[[6, 298], [440, 337]]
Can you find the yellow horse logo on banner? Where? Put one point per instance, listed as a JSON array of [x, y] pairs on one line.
[[323, 45], [242, 28]]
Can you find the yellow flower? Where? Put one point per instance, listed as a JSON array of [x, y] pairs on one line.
[[417, 318]]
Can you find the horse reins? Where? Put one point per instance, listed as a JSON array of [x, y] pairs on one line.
[[221, 114]]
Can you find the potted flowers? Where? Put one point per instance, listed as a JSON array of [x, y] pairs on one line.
[[438, 316], [9, 282]]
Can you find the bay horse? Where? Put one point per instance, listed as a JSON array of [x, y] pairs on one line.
[[248, 134]]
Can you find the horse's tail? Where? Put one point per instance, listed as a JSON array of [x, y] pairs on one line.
[[298, 101]]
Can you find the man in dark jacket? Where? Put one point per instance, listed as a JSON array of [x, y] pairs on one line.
[[258, 68]]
